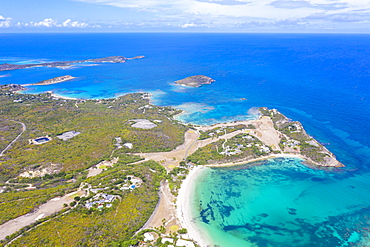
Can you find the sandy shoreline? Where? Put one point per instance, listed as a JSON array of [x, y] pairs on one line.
[[272, 156], [183, 210], [264, 130], [183, 204], [62, 97]]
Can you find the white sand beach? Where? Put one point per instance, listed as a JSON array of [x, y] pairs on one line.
[[183, 210], [62, 97]]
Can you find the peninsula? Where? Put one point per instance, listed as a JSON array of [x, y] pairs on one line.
[[54, 80], [271, 135], [108, 179], [195, 81], [112, 59]]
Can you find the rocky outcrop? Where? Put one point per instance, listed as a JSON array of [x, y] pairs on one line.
[[195, 81]]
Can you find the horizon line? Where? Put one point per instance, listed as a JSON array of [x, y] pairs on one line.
[[180, 32]]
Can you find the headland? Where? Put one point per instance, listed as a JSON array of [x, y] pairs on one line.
[[231, 144]]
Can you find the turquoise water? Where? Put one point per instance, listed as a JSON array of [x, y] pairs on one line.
[[320, 80], [282, 202]]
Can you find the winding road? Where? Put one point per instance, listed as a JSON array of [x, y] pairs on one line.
[[24, 128]]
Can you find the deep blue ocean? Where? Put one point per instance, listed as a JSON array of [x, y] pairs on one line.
[[321, 80]]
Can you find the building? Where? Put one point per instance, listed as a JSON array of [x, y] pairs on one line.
[[128, 145], [40, 140], [68, 135]]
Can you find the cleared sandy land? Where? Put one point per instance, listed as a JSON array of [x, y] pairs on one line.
[[172, 159], [165, 208], [47, 209], [264, 130]]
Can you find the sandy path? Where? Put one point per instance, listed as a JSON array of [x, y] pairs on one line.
[[202, 143], [164, 210], [172, 159], [47, 209], [264, 130], [246, 122], [24, 128]]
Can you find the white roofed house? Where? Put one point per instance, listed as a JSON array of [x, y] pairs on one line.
[[68, 135], [128, 145]]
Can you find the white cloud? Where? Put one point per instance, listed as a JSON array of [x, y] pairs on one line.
[[218, 14], [45, 23], [186, 25], [70, 23], [51, 23], [267, 9], [256, 15], [5, 22]]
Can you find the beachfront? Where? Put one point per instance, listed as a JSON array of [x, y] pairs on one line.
[[180, 213]]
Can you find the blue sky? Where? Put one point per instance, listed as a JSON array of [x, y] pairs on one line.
[[185, 16]]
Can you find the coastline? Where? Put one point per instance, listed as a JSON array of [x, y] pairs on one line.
[[335, 115], [183, 205], [272, 156], [62, 97], [55, 80], [183, 208]]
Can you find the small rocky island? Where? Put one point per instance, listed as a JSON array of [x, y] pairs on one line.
[[195, 81], [112, 59], [55, 80]]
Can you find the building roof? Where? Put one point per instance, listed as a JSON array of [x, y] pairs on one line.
[[68, 135]]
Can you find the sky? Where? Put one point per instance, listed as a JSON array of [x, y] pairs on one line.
[[324, 16]]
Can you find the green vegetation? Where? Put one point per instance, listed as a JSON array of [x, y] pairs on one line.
[[176, 176], [108, 226], [99, 122], [47, 181], [14, 204], [9, 130], [125, 158], [216, 132], [294, 130], [61, 166], [207, 154], [239, 147]]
